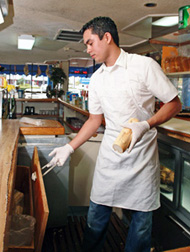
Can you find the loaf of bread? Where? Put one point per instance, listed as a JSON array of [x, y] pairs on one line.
[[123, 140], [166, 175]]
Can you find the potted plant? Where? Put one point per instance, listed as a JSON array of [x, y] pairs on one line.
[[58, 77]]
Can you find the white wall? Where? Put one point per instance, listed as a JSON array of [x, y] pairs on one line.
[[81, 171]]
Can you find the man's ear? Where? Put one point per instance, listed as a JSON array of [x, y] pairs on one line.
[[108, 37]]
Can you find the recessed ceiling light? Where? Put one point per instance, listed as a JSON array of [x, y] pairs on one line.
[[150, 5], [166, 21], [26, 42]]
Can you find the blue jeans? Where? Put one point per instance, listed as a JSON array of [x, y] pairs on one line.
[[139, 234]]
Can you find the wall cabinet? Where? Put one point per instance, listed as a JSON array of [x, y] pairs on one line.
[[35, 205], [19, 159]]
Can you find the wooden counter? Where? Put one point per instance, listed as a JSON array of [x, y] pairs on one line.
[[185, 249], [73, 107], [9, 134], [77, 109], [176, 128], [43, 127], [10, 131]]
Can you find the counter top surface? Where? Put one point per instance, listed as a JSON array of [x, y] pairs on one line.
[[177, 125], [176, 128], [37, 100], [29, 126], [74, 107], [9, 133]]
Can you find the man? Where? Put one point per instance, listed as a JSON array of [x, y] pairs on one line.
[[124, 87]]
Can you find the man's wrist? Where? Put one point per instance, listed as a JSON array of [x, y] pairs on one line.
[[70, 148]]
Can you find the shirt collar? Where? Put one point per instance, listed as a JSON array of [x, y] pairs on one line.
[[121, 61]]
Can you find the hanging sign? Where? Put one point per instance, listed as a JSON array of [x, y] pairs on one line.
[[184, 17]]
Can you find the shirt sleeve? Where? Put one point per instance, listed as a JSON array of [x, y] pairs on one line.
[[158, 83], [94, 103]]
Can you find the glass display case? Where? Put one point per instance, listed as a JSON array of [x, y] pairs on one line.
[[185, 184], [174, 157], [167, 172]]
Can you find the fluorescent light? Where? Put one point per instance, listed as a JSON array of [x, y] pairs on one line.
[[1, 17], [4, 7], [26, 42], [166, 21]]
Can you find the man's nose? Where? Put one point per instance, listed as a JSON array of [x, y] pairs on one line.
[[88, 49]]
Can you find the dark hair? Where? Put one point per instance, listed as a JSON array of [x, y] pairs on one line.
[[101, 25]]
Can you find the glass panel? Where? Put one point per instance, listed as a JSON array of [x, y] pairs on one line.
[[23, 82], [167, 173], [185, 186], [183, 87]]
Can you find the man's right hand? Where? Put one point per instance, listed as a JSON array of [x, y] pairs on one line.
[[60, 154]]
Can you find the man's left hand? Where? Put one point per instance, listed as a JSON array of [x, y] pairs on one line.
[[138, 130]]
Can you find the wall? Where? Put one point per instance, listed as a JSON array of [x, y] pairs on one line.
[[81, 171]]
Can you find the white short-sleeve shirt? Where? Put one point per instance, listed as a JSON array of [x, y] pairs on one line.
[[128, 89]]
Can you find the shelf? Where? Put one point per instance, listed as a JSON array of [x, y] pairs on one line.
[[38, 115], [77, 109], [178, 74], [36, 100], [73, 107], [177, 38], [75, 130]]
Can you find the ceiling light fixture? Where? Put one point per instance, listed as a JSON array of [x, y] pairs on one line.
[[26, 42], [166, 21], [4, 7], [1, 17]]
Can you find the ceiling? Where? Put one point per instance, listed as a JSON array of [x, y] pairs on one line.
[[45, 18]]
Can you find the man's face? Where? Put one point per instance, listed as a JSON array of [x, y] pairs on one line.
[[95, 47]]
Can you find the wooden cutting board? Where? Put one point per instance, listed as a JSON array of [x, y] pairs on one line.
[[41, 127]]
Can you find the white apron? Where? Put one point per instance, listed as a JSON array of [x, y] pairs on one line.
[[127, 180]]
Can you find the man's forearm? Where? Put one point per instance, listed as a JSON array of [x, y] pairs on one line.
[[166, 112]]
